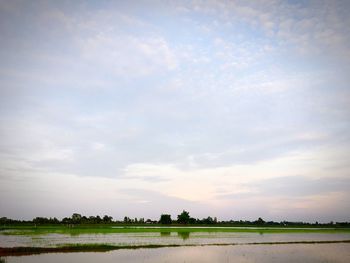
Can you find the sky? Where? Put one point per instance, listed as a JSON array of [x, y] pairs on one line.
[[234, 109]]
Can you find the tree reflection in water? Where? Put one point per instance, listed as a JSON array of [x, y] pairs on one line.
[[184, 235], [165, 234]]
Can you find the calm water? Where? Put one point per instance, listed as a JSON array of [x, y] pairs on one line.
[[167, 238], [303, 253]]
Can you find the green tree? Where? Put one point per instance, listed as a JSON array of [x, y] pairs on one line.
[[260, 221], [107, 219], [76, 218], [92, 219], [165, 219], [98, 219], [184, 217], [209, 220]]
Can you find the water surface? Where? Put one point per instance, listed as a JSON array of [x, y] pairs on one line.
[[164, 238], [303, 253]]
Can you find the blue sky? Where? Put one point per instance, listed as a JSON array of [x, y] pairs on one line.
[[232, 109]]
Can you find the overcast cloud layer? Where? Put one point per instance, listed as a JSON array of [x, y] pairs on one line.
[[234, 109]]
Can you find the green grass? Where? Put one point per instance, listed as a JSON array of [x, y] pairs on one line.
[[103, 229]]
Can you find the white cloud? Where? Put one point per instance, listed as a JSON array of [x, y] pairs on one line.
[[314, 29], [97, 146], [127, 55], [202, 184]]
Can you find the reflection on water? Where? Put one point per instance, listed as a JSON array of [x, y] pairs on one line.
[[165, 234], [74, 233], [305, 253], [184, 235], [164, 238]]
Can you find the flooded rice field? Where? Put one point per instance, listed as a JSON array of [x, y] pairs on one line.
[[175, 245], [305, 253], [162, 238]]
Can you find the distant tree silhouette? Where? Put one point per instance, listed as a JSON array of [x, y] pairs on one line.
[[76, 218], [44, 220], [165, 219], [184, 217], [107, 219], [209, 220], [260, 221]]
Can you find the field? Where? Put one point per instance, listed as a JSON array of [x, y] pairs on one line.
[[28, 239], [106, 243]]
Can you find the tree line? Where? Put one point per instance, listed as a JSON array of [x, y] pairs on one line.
[[183, 218]]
